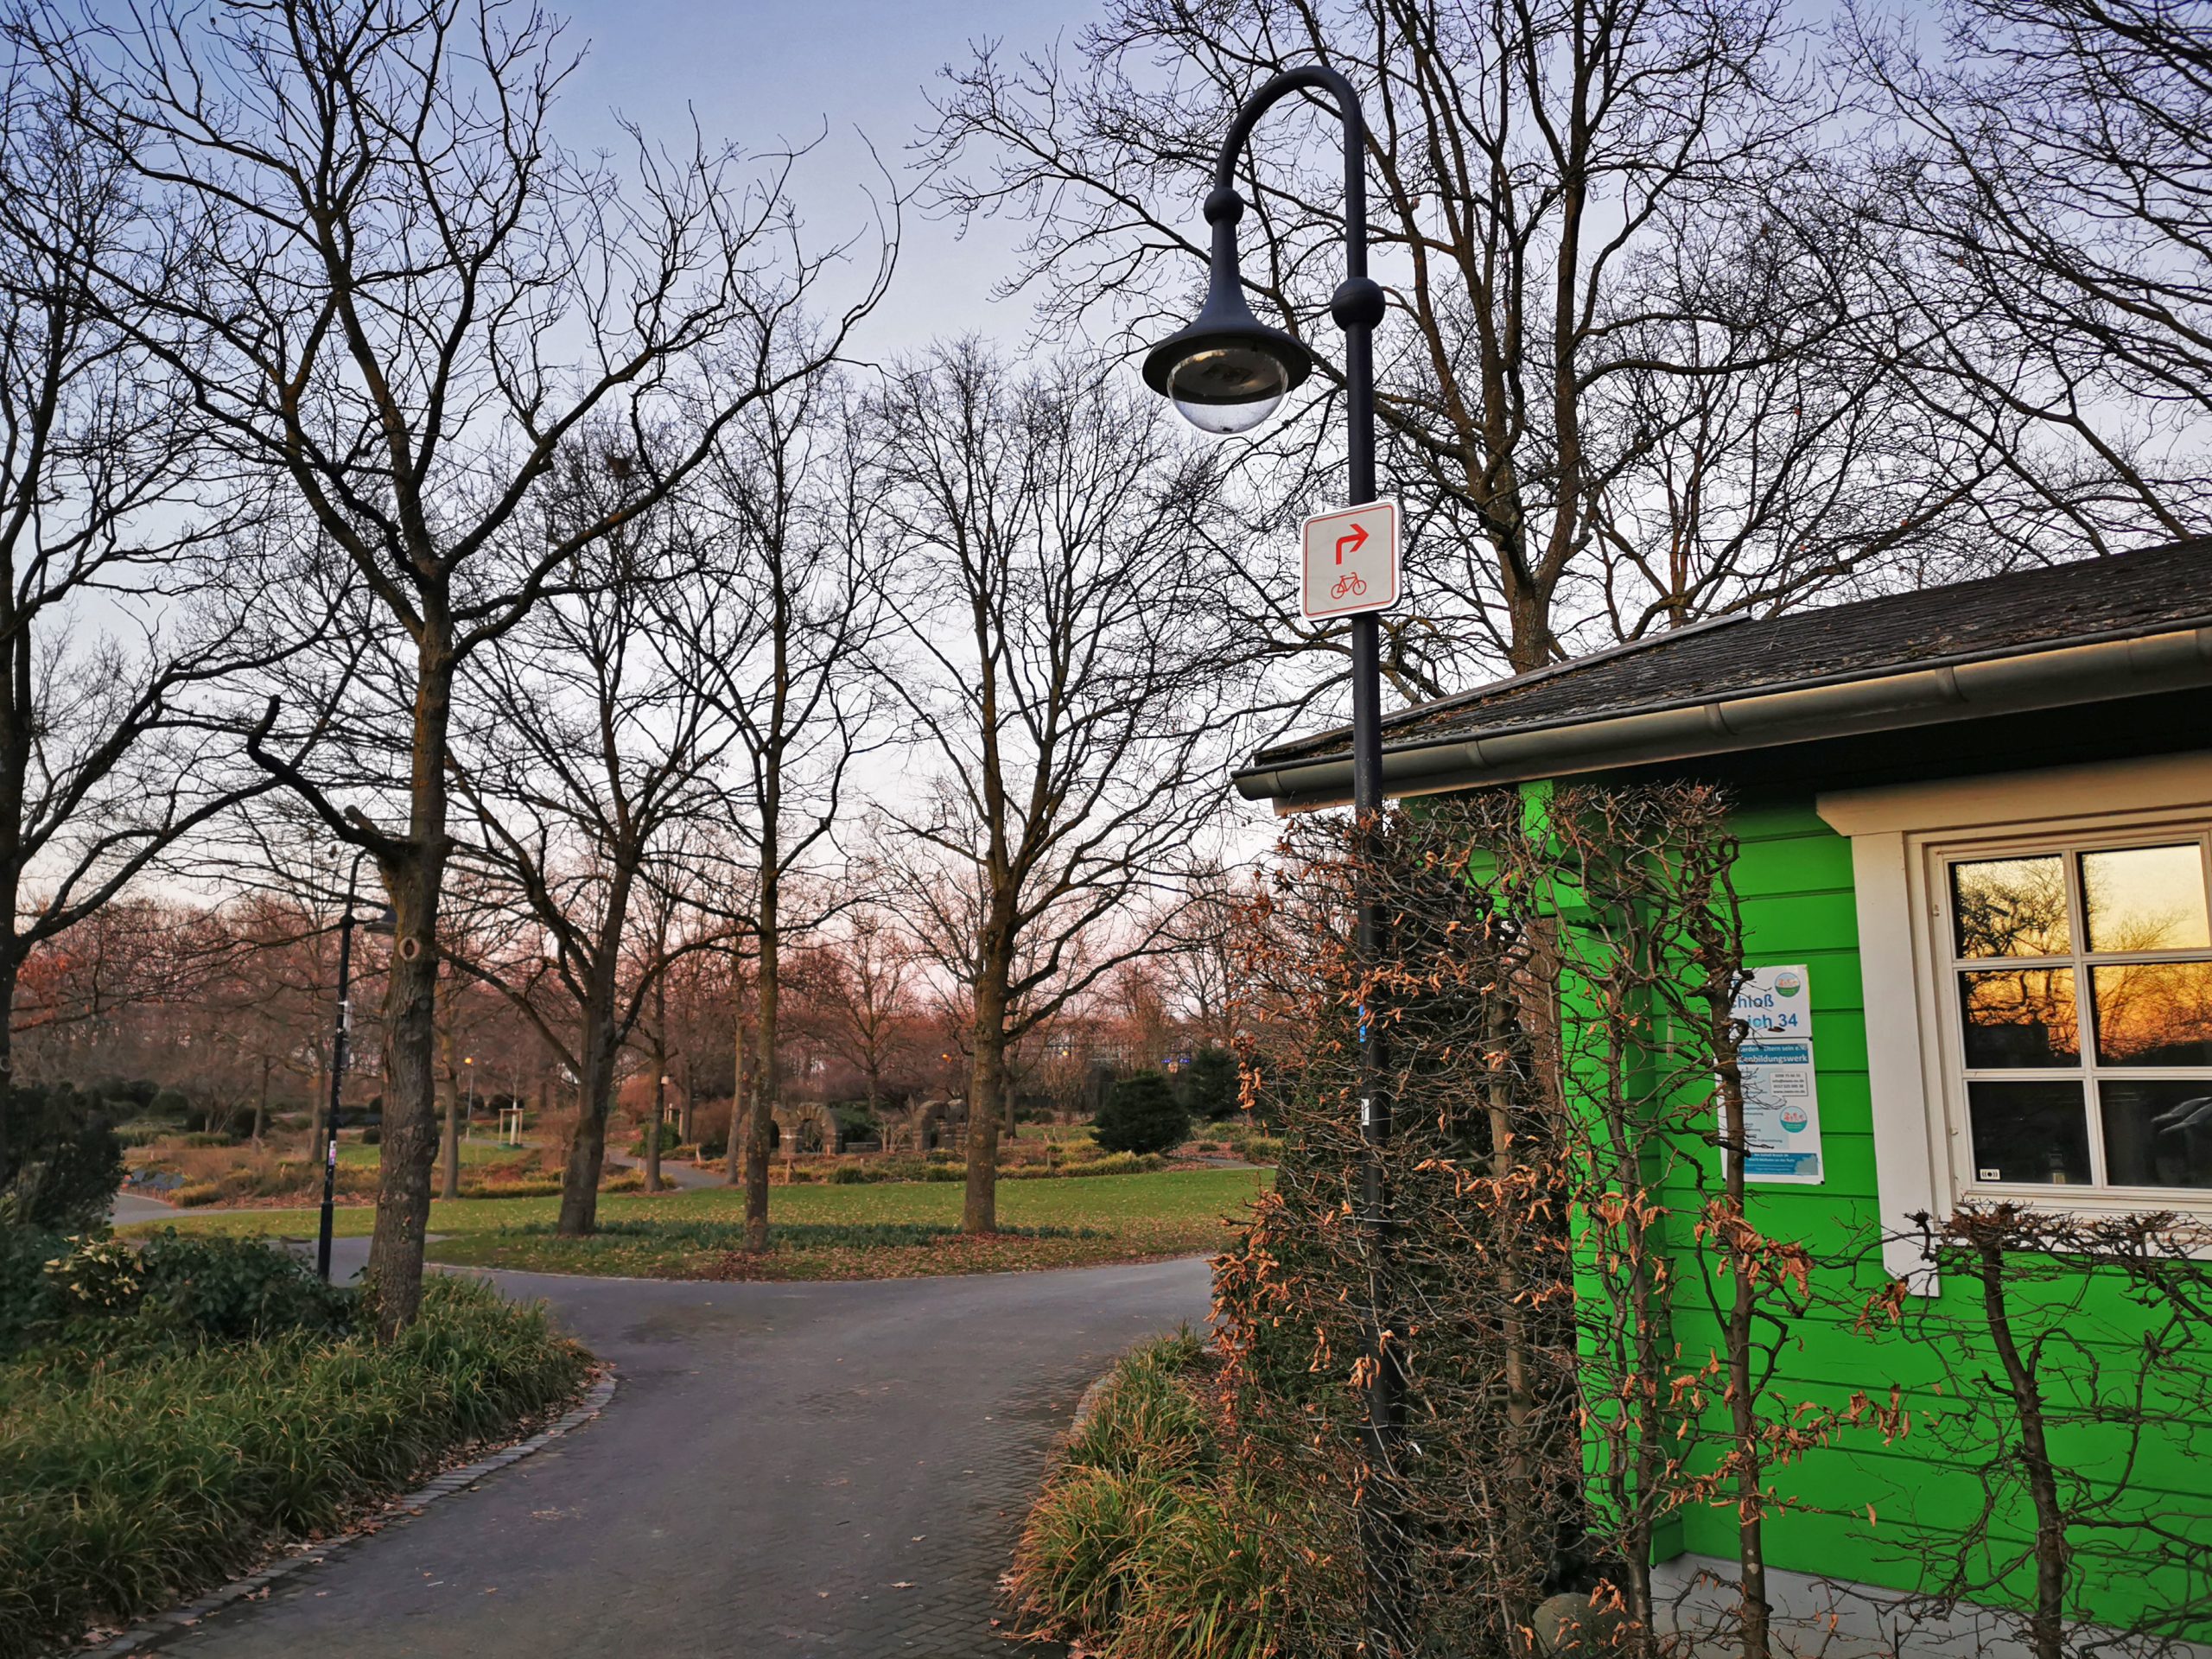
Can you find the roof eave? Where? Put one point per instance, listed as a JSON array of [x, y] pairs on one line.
[[2180, 660]]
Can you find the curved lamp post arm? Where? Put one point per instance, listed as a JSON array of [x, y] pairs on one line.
[[1227, 371], [1349, 116]]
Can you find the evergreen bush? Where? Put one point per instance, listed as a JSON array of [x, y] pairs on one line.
[[1209, 1085], [1141, 1115], [63, 1161]]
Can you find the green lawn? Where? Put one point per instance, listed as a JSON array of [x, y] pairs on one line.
[[886, 1230]]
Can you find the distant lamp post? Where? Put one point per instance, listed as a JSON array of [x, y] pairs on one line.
[[341, 1051], [1226, 373]]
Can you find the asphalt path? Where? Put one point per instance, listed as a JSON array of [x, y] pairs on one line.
[[785, 1471]]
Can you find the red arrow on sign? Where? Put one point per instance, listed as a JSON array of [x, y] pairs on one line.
[[1357, 540]]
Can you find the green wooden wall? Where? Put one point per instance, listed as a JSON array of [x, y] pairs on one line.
[[1863, 1508]]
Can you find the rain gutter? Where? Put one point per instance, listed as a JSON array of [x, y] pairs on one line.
[[2177, 660]]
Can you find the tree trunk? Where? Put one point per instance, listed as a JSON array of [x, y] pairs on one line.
[[261, 1102], [588, 1146], [449, 1150], [740, 1127], [659, 1054], [409, 1132], [986, 1095], [768, 1087]]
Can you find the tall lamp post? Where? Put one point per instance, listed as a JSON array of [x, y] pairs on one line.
[[341, 1051], [1225, 373]]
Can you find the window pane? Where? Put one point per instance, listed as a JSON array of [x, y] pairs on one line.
[[2157, 1133], [2030, 1132], [2145, 898], [2154, 1013], [2020, 1016], [2011, 907]]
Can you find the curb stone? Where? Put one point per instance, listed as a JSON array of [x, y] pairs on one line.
[[147, 1636]]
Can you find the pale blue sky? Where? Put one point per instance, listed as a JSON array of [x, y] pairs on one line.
[[760, 73]]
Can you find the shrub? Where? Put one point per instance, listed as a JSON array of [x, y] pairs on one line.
[[1209, 1085], [138, 1478], [1147, 1421], [1111, 1163], [107, 1292], [671, 1139], [236, 1288], [173, 1104], [1144, 1540], [62, 1163], [97, 1277], [30, 1299], [1141, 1115]]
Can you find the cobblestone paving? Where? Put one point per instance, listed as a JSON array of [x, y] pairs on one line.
[[787, 1470]]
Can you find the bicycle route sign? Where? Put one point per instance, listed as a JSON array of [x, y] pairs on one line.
[[1350, 561]]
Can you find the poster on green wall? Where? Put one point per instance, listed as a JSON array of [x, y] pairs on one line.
[[1782, 1100]]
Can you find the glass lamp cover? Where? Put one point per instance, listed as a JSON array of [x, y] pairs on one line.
[[1228, 388]]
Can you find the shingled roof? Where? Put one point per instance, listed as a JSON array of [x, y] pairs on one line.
[[1735, 662]]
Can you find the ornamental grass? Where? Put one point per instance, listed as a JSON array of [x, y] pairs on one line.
[[140, 1465]]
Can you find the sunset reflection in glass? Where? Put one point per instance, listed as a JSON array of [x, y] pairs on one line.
[[2145, 899], [2011, 907]]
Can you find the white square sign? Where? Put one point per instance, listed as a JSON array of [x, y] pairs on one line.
[[1350, 561]]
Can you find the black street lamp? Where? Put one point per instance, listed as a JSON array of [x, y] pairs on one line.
[[340, 1050], [1227, 372]]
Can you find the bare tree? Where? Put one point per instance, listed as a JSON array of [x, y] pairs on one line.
[[1618, 386], [113, 619], [1064, 687], [2043, 195], [1200, 969], [862, 982], [401, 302], [590, 749], [791, 605]]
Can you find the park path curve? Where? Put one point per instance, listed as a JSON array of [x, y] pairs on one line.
[[787, 1470]]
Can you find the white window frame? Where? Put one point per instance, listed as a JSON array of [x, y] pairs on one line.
[[1903, 836], [2112, 834]]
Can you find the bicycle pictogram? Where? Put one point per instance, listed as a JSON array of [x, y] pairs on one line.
[[1350, 582]]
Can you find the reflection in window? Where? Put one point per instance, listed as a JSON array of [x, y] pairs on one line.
[[2158, 1131], [2020, 1016], [2154, 1013], [2083, 976], [2145, 898], [2011, 907], [2033, 1132]]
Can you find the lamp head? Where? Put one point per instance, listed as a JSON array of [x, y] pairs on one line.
[[1226, 372]]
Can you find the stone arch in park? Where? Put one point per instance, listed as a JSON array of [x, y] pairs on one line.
[[809, 1128]]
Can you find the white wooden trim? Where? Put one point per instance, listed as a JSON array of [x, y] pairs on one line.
[[2045, 797], [1904, 1165], [1892, 829]]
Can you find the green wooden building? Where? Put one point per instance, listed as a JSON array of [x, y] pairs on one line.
[[1976, 829]]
